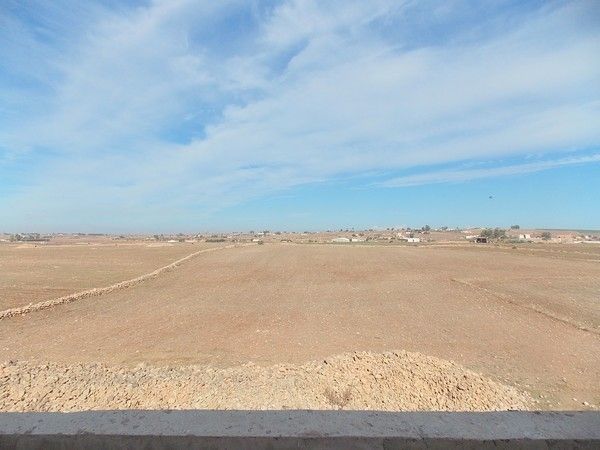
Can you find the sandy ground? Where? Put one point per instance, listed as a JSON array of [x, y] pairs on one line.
[[31, 273], [523, 318]]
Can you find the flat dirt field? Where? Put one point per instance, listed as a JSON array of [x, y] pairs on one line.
[[526, 319], [30, 273]]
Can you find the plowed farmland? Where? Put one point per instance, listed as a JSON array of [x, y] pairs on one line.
[[31, 273], [527, 320]]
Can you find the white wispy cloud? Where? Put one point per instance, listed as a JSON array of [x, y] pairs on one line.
[[183, 103], [453, 176]]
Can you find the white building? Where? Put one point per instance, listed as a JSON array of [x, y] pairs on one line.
[[340, 240], [409, 239]]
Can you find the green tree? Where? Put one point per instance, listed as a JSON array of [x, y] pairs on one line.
[[499, 233], [488, 232], [496, 233]]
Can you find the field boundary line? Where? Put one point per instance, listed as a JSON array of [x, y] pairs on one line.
[[533, 308], [94, 292]]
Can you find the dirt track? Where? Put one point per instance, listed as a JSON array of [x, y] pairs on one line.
[[290, 303]]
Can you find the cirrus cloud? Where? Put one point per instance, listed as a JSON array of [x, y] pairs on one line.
[[185, 106]]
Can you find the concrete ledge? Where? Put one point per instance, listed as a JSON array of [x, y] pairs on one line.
[[298, 429]]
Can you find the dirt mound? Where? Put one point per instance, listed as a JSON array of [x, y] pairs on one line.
[[392, 381]]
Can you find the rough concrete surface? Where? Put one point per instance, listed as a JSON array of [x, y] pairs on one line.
[[298, 429]]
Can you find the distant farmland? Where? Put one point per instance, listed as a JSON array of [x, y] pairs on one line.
[[527, 318]]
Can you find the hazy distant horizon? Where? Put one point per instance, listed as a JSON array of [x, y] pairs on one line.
[[289, 230]]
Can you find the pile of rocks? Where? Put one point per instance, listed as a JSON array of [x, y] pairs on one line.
[[392, 381]]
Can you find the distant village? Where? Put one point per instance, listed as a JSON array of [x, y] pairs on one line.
[[406, 235]]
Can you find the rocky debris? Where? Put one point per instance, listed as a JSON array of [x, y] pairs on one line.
[[391, 381]]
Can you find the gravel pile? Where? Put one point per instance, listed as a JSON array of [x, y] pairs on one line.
[[392, 381]]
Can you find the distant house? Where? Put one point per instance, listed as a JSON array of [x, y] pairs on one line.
[[409, 239], [524, 237], [357, 239], [340, 240]]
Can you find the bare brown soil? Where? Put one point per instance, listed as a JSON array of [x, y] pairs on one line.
[[95, 292], [527, 319], [397, 381], [30, 273]]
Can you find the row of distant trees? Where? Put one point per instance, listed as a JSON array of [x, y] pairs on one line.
[[499, 233], [32, 237], [495, 233]]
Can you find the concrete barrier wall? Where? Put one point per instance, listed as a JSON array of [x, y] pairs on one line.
[[298, 429]]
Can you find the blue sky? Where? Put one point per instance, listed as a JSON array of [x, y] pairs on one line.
[[185, 115]]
